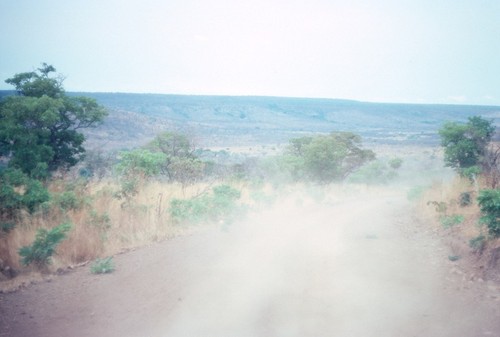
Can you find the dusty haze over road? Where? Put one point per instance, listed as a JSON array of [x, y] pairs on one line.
[[343, 264]]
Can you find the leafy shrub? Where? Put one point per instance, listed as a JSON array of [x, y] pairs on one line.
[[224, 198], [18, 191], [395, 163], [454, 258], [465, 199], [452, 220], [6, 227], [140, 162], [220, 203], [376, 172], [67, 200], [470, 172], [192, 210], [489, 203], [440, 206], [102, 266], [42, 249], [415, 193], [478, 243]]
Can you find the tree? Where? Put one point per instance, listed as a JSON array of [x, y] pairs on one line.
[[39, 127], [465, 145], [137, 166], [326, 158], [181, 164]]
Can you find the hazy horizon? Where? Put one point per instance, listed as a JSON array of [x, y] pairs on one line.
[[392, 51]]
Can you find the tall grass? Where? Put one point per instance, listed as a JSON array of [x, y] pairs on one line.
[[102, 224], [443, 205]]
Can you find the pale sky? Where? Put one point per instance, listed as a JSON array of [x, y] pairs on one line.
[[415, 51]]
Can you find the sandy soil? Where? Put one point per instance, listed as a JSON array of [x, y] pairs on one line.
[[359, 266]]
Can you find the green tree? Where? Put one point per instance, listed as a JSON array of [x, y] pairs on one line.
[[465, 145], [489, 202], [39, 127], [181, 164], [18, 191], [327, 158], [136, 166]]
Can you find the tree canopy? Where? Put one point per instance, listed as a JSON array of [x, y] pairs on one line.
[[39, 127], [327, 158], [465, 144]]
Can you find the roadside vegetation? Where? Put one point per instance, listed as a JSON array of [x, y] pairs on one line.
[[467, 208], [62, 206]]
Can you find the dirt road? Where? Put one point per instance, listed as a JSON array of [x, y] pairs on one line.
[[358, 266]]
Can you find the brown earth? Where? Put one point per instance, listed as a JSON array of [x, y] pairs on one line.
[[353, 266]]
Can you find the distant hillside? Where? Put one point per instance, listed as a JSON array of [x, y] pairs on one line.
[[242, 120]]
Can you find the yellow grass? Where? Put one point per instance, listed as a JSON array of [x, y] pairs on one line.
[[104, 225], [449, 193]]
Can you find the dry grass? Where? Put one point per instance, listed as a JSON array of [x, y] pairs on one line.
[[104, 225], [448, 193]]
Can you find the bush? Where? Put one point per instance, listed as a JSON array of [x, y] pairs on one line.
[[395, 163], [18, 191], [327, 158], [452, 220], [375, 172], [102, 266], [192, 210], [219, 204], [478, 243], [6, 227], [465, 199], [415, 193], [67, 200], [489, 202], [42, 249]]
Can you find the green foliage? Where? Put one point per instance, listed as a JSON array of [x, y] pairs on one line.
[[440, 206], [465, 199], [102, 266], [489, 203], [452, 220], [135, 166], [186, 170], [172, 144], [395, 163], [67, 200], [478, 243], [180, 163], [415, 193], [44, 246], [224, 198], [465, 144], [6, 227], [470, 172], [39, 127], [191, 210], [140, 162], [208, 207], [375, 172], [327, 158], [18, 191], [35, 195]]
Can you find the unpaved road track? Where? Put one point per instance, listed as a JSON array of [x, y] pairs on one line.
[[353, 267]]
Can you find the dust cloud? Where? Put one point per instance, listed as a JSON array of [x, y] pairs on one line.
[[343, 261], [348, 265]]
